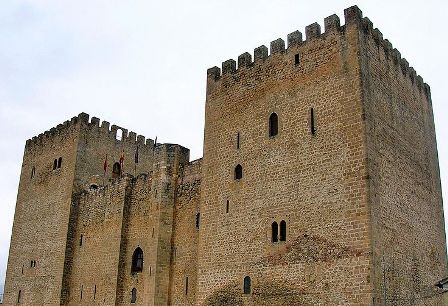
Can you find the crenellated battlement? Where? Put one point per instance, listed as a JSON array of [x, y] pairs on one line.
[[312, 32], [94, 125], [231, 69], [400, 63]]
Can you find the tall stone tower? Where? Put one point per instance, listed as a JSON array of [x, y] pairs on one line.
[[320, 175], [319, 185]]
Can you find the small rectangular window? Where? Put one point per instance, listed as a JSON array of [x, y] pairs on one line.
[[238, 140], [312, 122], [198, 219], [227, 207], [297, 59], [186, 285], [94, 293]]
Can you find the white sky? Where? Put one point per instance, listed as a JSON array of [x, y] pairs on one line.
[[142, 64]]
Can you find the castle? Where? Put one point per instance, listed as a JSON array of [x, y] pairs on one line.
[[319, 185]]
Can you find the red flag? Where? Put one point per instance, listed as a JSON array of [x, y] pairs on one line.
[[105, 165]]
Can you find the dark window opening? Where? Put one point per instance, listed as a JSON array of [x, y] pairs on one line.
[[137, 261], [33, 172], [297, 59], [23, 266], [247, 285], [238, 140], [81, 240], [283, 230], [186, 286], [133, 295], [59, 162], [33, 264], [152, 232], [116, 170], [82, 287], [93, 187], [312, 122], [273, 125], [55, 164], [150, 271], [274, 232], [94, 292], [227, 207], [198, 219], [19, 296], [238, 172]]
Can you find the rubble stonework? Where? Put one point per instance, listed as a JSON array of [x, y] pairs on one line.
[[334, 200]]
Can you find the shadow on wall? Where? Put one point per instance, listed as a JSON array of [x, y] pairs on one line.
[[265, 294]]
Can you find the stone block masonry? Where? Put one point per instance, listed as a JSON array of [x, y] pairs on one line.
[[319, 185]]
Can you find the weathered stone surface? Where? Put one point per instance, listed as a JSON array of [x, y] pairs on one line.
[[360, 193]]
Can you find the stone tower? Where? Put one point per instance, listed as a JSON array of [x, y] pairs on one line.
[[319, 185], [320, 182]]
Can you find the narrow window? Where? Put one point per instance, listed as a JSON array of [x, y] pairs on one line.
[[137, 261], [312, 123], [94, 292], [82, 287], [80, 240], [55, 164], [238, 172], [238, 140], [274, 232], [23, 266], [247, 285], [273, 125], [133, 295], [19, 296], [283, 230], [59, 162], [297, 59], [116, 170], [198, 218], [33, 172], [227, 207], [186, 285], [153, 232], [150, 271], [119, 135]]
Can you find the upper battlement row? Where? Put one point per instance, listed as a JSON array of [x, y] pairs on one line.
[[114, 132], [353, 15]]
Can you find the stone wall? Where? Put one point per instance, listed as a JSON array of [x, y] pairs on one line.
[[38, 243], [314, 182], [408, 235]]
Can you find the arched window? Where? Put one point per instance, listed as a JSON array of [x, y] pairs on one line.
[[283, 230], [273, 125], [59, 162], [19, 296], [119, 134], [238, 172], [33, 172], [133, 295], [137, 261], [247, 285], [274, 232], [55, 164], [116, 170]]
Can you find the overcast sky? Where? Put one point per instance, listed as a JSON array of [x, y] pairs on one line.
[[142, 65]]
